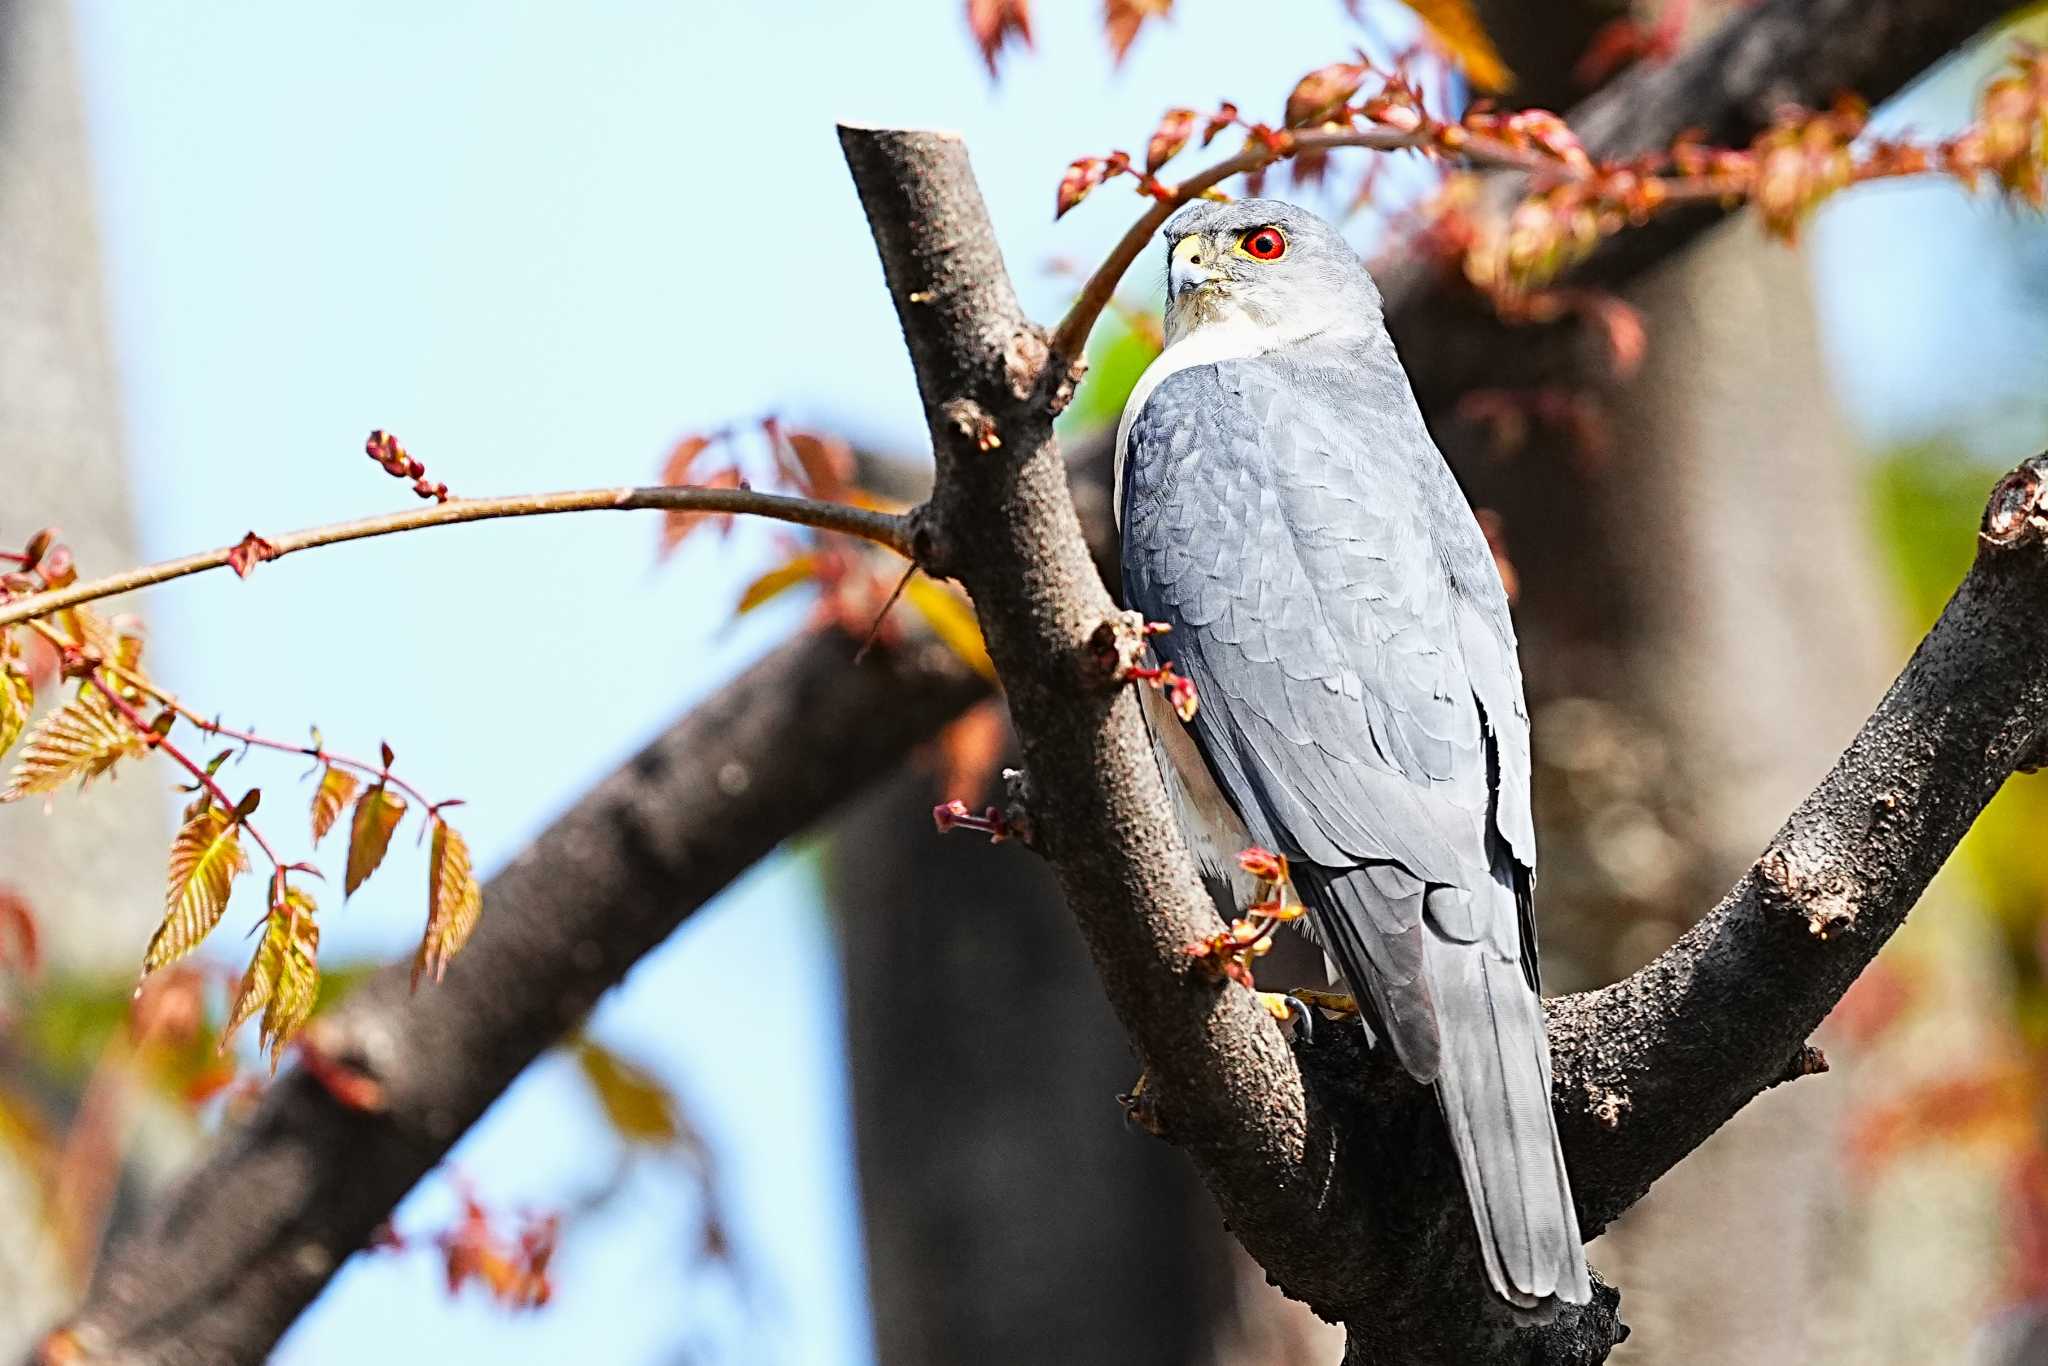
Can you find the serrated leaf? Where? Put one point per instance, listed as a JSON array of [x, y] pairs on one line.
[[337, 788], [82, 739], [776, 582], [639, 1107], [377, 815], [951, 620], [206, 857], [284, 976], [454, 903], [91, 632], [260, 980], [17, 699]]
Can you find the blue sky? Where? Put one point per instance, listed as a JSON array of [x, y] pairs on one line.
[[539, 242]]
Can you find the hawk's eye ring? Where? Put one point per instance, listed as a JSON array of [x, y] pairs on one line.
[[1263, 244]]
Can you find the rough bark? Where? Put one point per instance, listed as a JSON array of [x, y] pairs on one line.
[[1226, 1084], [1012, 1216], [1342, 1188], [1799, 52], [227, 1260]]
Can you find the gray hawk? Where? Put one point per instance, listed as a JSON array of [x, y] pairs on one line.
[[1286, 514]]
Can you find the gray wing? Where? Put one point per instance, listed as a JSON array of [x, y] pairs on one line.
[[1336, 605]]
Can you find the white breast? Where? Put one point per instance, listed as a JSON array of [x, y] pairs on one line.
[[1234, 339]]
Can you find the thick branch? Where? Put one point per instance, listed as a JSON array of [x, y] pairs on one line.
[[1222, 1082], [1649, 1067], [1784, 52], [219, 1269], [1342, 1185], [883, 528], [225, 1262]]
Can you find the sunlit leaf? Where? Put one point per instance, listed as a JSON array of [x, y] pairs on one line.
[[298, 978], [337, 789], [1455, 26], [90, 631], [82, 739], [639, 1107], [951, 620], [778, 581], [1169, 138], [17, 699], [206, 857], [1319, 95], [454, 903], [283, 976], [377, 814]]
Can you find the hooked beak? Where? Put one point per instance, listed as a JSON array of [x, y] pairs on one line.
[[1186, 271]]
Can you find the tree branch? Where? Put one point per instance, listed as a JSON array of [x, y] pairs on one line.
[[1649, 1067], [1336, 1174], [222, 1264], [1729, 86], [883, 528], [220, 1267]]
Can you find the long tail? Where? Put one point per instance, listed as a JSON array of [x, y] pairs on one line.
[[1493, 1082]]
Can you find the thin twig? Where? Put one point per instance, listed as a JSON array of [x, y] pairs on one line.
[[184, 760], [883, 528], [1072, 333]]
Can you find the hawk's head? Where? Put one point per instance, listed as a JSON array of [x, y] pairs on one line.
[[1262, 264]]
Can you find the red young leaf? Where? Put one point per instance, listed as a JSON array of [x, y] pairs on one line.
[[249, 552], [824, 462], [1169, 138], [19, 944], [1224, 117], [677, 468], [1320, 95], [1082, 176], [1121, 20], [677, 526], [994, 23]]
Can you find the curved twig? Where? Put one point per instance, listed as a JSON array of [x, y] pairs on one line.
[[886, 529]]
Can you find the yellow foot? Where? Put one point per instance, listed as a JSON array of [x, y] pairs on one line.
[[1279, 1004], [1336, 1002]]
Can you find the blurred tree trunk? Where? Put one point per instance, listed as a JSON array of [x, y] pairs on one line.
[[1759, 628], [88, 867], [1705, 622], [1011, 1215]]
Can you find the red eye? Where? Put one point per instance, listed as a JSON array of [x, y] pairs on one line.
[[1264, 244]]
